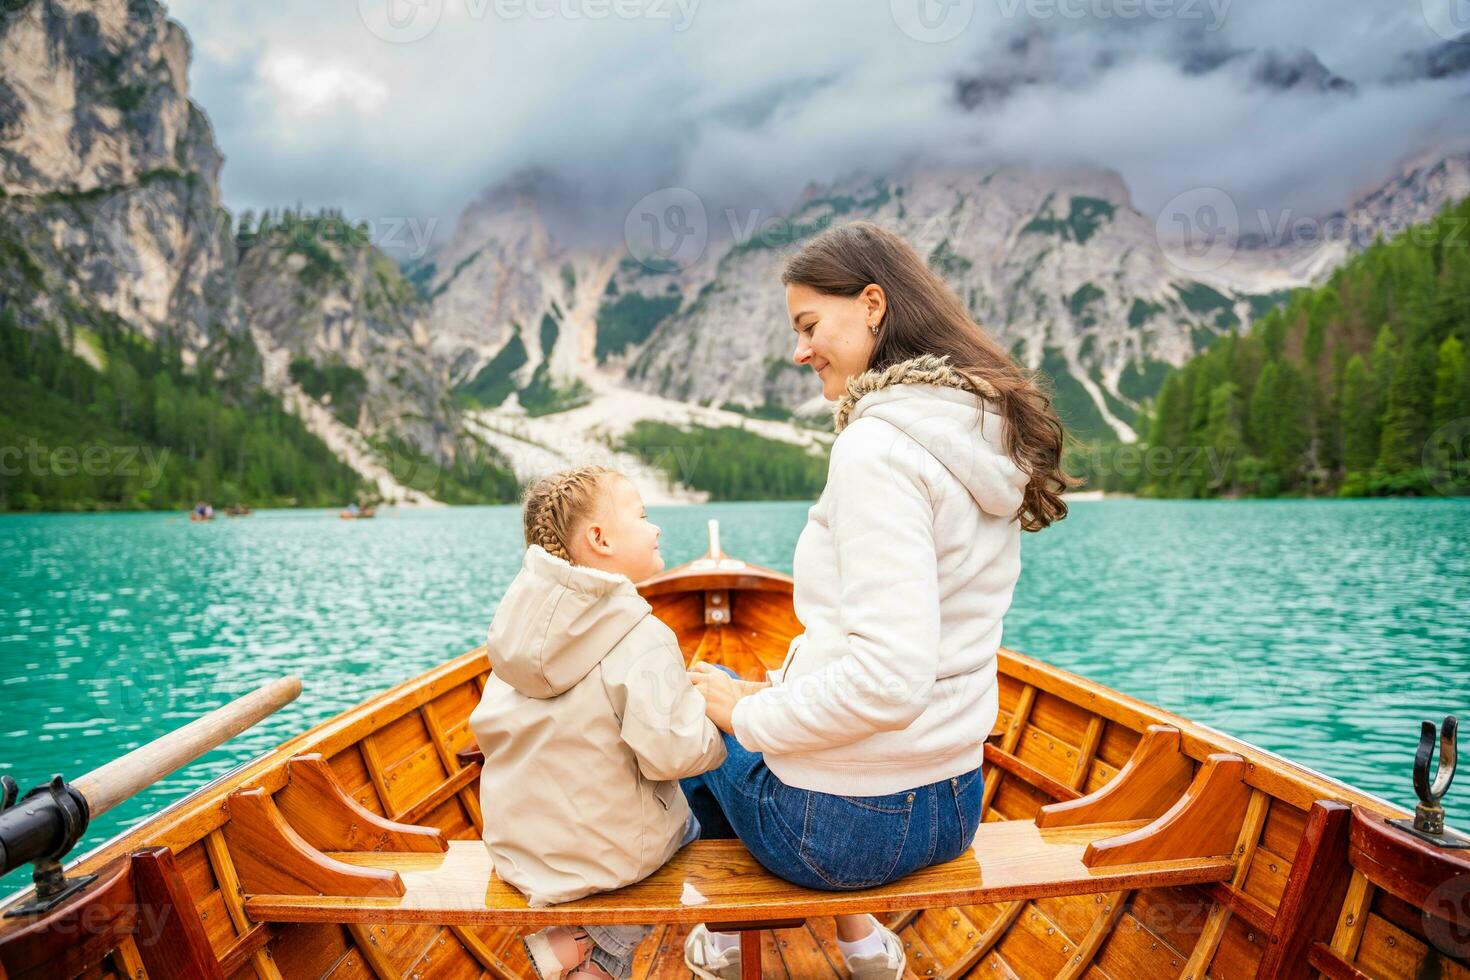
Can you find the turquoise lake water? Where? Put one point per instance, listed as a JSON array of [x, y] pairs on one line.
[[1322, 630]]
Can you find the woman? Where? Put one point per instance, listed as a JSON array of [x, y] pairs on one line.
[[858, 761]]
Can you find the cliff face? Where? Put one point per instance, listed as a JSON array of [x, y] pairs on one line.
[[110, 174], [111, 208], [335, 317]]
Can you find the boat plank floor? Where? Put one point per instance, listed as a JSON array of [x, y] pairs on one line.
[[718, 881]]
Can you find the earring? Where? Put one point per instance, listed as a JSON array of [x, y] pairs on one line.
[[873, 327]]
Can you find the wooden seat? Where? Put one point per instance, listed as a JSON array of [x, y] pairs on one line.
[[718, 881], [1160, 822]]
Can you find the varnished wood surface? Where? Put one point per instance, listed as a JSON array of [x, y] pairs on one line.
[[718, 881]]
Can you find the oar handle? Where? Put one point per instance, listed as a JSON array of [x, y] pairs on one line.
[[108, 785]]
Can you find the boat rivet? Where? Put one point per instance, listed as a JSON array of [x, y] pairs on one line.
[[1051, 932], [970, 934], [1250, 937], [1350, 918], [1272, 867], [1173, 962], [1392, 941], [955, 924]]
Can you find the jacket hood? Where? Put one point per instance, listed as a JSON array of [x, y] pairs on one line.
[[557, 621], [936, 406]]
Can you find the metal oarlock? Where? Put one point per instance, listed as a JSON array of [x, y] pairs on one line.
[[1428, 820], [41, 830]]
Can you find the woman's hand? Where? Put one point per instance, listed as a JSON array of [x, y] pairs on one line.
[[721, 692]]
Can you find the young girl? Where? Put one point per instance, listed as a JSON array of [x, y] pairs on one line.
[[589, 719]]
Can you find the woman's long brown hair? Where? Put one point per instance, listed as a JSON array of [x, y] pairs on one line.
[[925, 317]]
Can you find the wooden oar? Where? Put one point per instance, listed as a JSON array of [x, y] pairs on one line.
[[46, 824], [107, 786]]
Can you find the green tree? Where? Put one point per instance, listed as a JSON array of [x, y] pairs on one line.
[[1359, 418], [1451, 397]]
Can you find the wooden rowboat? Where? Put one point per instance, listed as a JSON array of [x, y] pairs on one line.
[[1120, 841]]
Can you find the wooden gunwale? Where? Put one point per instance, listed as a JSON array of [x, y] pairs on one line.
[[193, 817]]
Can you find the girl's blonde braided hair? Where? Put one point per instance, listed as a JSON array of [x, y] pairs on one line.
[[556, 506]]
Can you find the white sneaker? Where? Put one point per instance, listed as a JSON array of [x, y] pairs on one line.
[[887, 965], [705, 961]]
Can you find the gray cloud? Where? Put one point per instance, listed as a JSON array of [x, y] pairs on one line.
[[746, 103]]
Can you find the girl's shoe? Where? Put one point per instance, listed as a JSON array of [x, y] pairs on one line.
[[887, 965], [589, 970], [557, 949], [708, 963]]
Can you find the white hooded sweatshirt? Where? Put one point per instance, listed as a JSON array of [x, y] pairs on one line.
[[903, 573]]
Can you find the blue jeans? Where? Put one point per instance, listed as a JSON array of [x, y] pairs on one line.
[[835, 843], [613, 946]]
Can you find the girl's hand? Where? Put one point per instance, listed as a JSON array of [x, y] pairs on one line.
[[721, 693]]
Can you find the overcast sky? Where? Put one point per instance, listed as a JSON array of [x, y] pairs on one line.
[[409, 108]]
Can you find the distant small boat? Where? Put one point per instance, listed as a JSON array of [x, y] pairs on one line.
[[238, 511], [357, 514], [202, 512]]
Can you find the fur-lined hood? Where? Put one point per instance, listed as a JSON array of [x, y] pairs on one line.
[[931, 402]]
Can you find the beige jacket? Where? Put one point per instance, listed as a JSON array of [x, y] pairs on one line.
[[587, 723]]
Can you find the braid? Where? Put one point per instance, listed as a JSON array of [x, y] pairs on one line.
[[556, 507]]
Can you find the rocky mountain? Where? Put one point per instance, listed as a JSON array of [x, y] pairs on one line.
[[1060, 265], [336, 321], [110, 175], [111, 207]]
